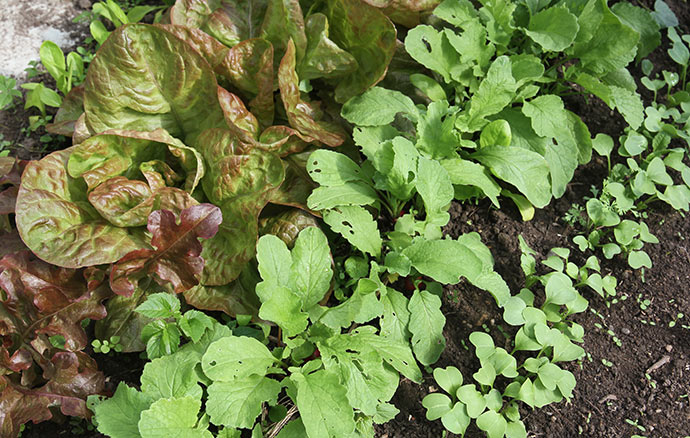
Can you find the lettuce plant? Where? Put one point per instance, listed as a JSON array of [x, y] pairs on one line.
[[159, 112], [39, 301], [157, 136]]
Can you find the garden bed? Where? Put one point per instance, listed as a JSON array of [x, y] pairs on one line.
[[635, 376]]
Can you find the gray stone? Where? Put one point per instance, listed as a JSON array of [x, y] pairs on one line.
[[26, 24]]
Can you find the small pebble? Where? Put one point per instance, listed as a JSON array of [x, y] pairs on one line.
[[626, 331], [669, 348]]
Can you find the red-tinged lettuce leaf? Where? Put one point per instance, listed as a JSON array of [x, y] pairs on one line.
[[175, 258], [239, 179], [369, 36], [323, 57], [145, 78], [44, 299], [297, 185], [56, 221], [300, 114], [159, 174], [11, 170], [128, 203], [229, 21], [11, 243], [18, 408], [227, 253], [404, 5], [81, 130], [240, 121], [287, 225], [74, 378], [71, 109], [10, 176], [236, 170], [283, 140], [249, 67], [208, 47], [105, 156], [8, 198], [122, 152], [236, 298], [284, 21]]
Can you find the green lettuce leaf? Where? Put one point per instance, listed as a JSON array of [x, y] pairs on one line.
[[369, 36], [145, 78], [323, 57], [56, 221], [240, 181], [300, 113], [228, 21]]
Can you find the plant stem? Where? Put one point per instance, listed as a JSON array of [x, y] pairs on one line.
[[279, 425]]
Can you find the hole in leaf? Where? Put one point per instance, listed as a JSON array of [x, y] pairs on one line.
[[427, 45]]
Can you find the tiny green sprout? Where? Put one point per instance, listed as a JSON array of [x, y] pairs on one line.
[[647, 67], [644, 303], [674, 321], [105, 346], [671, 79], [607, 363], [636, 424], [651, 382]]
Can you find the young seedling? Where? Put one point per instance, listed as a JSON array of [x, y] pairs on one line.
[[105, 346], [162, 335], [8, 92], [68, 71]]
